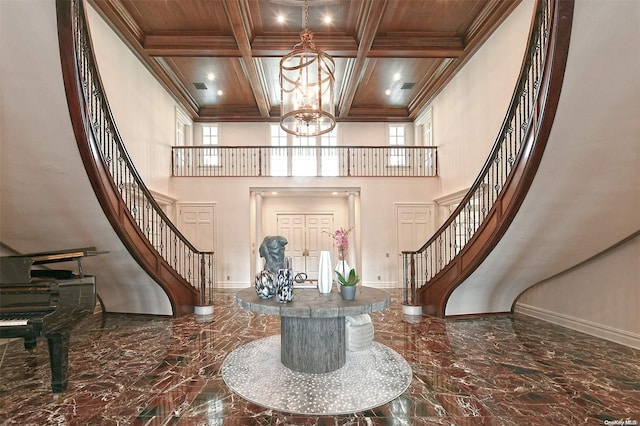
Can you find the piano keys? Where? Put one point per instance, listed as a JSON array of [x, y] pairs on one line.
[[45, 303], [14, 322]]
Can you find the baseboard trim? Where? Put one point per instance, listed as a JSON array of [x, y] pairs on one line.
[[381, 284], [230, 285], [588, 327]]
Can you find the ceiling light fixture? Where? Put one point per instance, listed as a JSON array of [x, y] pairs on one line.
[[307, 87]]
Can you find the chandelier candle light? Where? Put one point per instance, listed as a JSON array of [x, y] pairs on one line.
[[307, 87]]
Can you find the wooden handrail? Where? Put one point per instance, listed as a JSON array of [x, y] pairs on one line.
[[145, 230], [476, 226]]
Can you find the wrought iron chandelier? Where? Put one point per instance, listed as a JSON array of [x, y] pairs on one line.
[[307, 87]]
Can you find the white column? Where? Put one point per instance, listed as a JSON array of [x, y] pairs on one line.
[[417, 135], [259, 236], [351, 257]]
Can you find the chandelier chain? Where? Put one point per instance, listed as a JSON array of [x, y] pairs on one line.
[[307, 105]]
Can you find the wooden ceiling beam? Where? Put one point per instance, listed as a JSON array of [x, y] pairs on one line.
[[443, 72], [277, 46], [371, 17], [191, 45], [494, 12], [229, 114], [358, 44], [488, 20], [416, 47], [239, 18]]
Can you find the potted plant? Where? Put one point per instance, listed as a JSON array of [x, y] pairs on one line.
[[348, 285]]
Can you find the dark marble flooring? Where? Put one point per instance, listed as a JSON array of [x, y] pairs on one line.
[[493, 371]]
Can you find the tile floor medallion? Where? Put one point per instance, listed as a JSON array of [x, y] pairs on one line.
[[369, 378], [500, 370]]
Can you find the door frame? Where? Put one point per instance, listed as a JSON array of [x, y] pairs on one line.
[[348, 213], [397, 207], [306, 213], [178, 222]]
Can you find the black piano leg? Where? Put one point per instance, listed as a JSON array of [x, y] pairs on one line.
[[58, 357], [30, 342]]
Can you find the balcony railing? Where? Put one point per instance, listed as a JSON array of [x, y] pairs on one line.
[[317, 161]]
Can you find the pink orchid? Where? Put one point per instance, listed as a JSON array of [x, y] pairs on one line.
[[341, 238]]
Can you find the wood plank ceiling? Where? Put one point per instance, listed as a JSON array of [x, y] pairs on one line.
[[392, 56]]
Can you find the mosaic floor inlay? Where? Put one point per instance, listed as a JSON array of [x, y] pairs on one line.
[[369, 378]]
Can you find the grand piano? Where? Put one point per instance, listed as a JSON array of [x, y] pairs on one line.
[[41, 302]]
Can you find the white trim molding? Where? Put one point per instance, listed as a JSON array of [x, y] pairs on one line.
[[588, 327], [230, 285], [381, 284], [450, 199]]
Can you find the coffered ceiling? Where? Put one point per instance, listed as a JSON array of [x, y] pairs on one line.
[[220, 58]]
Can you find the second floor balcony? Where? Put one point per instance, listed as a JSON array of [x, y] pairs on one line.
[[312, 161]]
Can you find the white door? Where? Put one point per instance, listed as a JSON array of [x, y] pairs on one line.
[[307, 236], [197, 224], [319, 228], [415, 227], [291, 226]]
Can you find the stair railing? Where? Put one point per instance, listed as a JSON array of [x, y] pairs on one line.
[[145, 229], [511, 158]]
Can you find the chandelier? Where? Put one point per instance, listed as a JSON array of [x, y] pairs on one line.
[[306, 87]]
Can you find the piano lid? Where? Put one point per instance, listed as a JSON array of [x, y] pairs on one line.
[[60, 255], [17, 269]]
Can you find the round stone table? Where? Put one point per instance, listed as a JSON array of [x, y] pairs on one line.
[[313, 324]]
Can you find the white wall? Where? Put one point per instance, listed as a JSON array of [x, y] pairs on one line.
[[600, 297], [144, 112], [237, 134], [235, 222], [600, 132], [254, 134], [468, 113]]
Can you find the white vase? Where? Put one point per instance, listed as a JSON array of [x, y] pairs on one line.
[[344, 268], [325, 274]]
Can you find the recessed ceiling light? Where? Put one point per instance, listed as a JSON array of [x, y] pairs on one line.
[[327, 19], [211, 76], [280, 18], [396, 76], [387, 92], [220, 92]]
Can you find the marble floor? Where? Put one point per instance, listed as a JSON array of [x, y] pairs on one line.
[[500, 370]]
